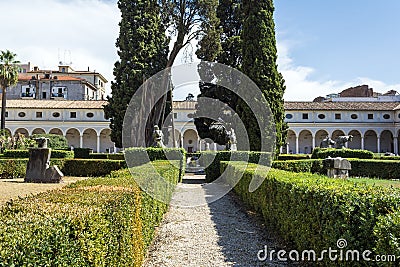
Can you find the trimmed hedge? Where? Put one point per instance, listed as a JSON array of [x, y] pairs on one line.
[[312, 212], [55, 141], [381, 169], [96, 222], [293, 156], [322, 153], [91, 167], [16, 168], [23, 153], [212, 160], [82, 153], [307, 165], [387, 232]]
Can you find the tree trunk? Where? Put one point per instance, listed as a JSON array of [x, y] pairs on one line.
[[3, 109]]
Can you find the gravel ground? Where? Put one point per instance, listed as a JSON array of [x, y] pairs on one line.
[[219, 234]]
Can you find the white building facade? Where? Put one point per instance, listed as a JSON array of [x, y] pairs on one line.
[[81, 122]]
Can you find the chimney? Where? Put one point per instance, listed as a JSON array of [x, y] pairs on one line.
[[88, 68], [36, 68]]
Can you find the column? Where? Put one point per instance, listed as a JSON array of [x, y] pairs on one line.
[[98, 144], [313, 143], [199, 145], [215, 146], [297, 145], [395, 145], [287, 148], [378, 145], [81, 140], [362, 142]]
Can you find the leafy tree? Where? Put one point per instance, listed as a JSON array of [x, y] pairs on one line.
[[259, 63], [56, 141], [8, 77], [142, 49]]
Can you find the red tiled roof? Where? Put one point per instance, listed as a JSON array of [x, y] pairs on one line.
[[185, 104], [27, 77], [341, 105]]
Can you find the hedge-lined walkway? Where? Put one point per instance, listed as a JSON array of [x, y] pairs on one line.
[[217, 234]]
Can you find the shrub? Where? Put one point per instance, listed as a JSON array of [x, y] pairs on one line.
[[322, 153], [312, 212], [212, 160], [90, 167], [118, 156], [387, 234], [82, 153], [97, 156], [293, 156], [97, 222], [307, 165], [13, 168], [22, 153], [55, 141]]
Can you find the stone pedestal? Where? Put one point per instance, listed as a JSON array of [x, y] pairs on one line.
[[337, 167], [39, 170]]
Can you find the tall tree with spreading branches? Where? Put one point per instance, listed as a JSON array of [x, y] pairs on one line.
[[8, 77]]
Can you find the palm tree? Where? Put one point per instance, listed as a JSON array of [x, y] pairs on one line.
[[8, 77]]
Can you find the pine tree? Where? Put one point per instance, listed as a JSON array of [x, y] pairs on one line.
[[259, 63], [143, 51]]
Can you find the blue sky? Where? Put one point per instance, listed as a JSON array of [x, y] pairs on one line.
[[336, 44], [323, 46]]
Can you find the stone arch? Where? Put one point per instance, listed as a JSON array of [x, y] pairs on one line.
[[370, 141], [56, 131], [386, 141], [22, 131], [89, 139], [356, 142], [336, 134], [319, 136], [190, 140], [73, 137], [38, 131], [305, 142], [106, 145], [291, 142]]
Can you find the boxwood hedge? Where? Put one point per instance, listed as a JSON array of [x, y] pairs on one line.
[[322, 153], [96, 222], [312, 212]]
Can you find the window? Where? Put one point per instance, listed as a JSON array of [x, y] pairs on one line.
[[354, 116], [321, 116], [399, 115], [175, 115], [72, 115], [338, 116], [370, 116], [386, 116], [289, 116], [39, 114], [21, 114], [56, 114], [90, 115], [6, 114], [305, 116]]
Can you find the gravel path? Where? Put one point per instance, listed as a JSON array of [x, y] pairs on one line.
[[218, 234]]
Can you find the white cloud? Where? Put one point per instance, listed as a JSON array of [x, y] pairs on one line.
[[300, 87], [45, 32]]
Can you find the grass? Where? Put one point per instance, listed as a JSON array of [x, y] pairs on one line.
[[377, 182], [15, 188]]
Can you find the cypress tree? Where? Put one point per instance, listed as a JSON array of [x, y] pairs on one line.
[[259, 63], [143, 51]]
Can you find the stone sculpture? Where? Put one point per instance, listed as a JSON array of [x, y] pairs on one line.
[[342, 140]]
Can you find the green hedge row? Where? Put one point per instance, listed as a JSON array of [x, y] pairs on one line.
[[293, 156], [322, 153], [16, 168], [97, 222], [381, 169], [312, 212], [119, 156], [23, 153], [211, 160]]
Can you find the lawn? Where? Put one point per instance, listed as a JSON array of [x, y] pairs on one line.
[[14, 188], [377, 182]]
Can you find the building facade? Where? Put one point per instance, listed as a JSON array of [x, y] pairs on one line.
[[81, 122]]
